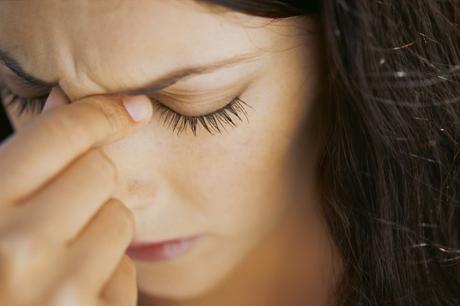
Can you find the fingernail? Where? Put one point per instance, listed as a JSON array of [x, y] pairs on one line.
[[137, 106]]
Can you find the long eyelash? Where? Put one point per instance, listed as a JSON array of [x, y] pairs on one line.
[[212, 122], [34, 105]]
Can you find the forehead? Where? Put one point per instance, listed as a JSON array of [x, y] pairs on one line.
[[120, 43], [116, 28], [105, 21]]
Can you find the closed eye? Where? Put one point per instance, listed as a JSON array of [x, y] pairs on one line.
[[177, 122]]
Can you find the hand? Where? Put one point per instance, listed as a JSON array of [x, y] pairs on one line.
[[62, 238]]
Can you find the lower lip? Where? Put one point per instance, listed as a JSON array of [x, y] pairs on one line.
[[160, 251]]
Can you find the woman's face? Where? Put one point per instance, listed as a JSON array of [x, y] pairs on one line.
[[232, 187]]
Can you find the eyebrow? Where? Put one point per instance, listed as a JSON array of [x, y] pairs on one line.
[[151, 87]]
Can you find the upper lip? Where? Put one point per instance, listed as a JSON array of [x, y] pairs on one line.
[[138, 243]]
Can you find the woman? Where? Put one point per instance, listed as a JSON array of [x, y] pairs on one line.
[[269, 153]]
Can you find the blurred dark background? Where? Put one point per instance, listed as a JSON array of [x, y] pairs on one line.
[[5, 126]]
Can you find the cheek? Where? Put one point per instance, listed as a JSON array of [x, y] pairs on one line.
[[249, 182], [257, 176], [249, 199], [247, 191]]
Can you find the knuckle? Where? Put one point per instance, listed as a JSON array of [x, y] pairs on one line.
[[67, 124], [22, 252], [22, 244], [69, 293], [128, 267], [110, 111], [101, 164], [75, 123], [125, 217]]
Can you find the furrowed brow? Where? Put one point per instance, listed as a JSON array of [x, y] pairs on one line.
[[151, 87]]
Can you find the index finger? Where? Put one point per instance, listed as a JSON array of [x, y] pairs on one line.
[[52, 140]]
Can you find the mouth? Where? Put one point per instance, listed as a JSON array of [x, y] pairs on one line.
[[162, 250]]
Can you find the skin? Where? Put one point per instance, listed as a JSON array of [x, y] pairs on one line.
[[251, 191]]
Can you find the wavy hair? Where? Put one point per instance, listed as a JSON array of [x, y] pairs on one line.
[[390, 165]]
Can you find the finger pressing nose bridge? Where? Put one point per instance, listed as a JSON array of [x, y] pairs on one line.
[[56, 97]]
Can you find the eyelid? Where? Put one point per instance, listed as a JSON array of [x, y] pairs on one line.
[[190, 104], [196, 108], [210, 121], [19, 86], [195, 99], [217, 93], [25, 90]]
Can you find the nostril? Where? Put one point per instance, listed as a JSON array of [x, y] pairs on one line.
[[56, 97]]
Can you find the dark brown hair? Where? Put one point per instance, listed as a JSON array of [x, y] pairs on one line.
[[390, 166]]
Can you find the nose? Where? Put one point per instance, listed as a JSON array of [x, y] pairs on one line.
[[56, 97], [136, 194]]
